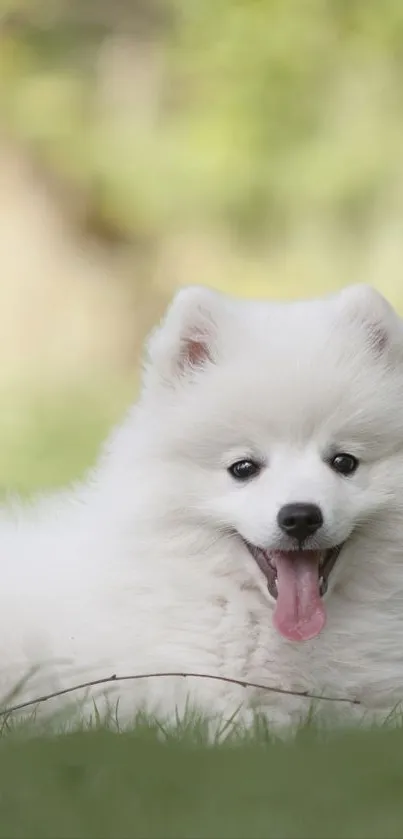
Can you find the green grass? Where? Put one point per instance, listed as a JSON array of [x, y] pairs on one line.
[[99, 783]]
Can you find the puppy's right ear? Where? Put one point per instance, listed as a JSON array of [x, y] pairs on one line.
[[373, 317], [187, 340]]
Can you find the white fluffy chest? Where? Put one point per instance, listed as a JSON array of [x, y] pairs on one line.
[[358, 656]]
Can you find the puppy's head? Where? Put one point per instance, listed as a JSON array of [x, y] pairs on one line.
[[283, 426]]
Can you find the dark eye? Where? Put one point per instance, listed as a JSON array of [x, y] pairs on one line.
[[344, 464], [242, 470]]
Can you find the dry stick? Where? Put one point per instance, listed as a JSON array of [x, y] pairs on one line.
[[302, 693]]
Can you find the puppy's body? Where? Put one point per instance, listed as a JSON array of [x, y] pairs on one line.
[[149, 566]]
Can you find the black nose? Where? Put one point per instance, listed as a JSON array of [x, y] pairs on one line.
[[300, 520]]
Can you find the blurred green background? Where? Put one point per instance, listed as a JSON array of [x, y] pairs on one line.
[[252, 145]]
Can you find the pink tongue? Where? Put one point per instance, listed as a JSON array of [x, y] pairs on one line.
[[299, 613]]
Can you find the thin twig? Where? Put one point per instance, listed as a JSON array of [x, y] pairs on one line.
[[114, 678]]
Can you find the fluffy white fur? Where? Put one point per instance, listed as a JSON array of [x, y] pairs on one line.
[[141, 567]]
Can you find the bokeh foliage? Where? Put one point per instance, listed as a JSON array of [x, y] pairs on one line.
[[263, 111]]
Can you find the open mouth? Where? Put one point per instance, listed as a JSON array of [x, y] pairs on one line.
[[297, 580]]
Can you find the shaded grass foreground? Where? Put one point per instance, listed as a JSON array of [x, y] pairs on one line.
[[99, 783]]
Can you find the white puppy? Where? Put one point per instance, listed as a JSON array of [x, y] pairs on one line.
[[246, 521]]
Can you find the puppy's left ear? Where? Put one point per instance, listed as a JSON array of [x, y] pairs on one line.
[[368, 311], [188, 339]]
